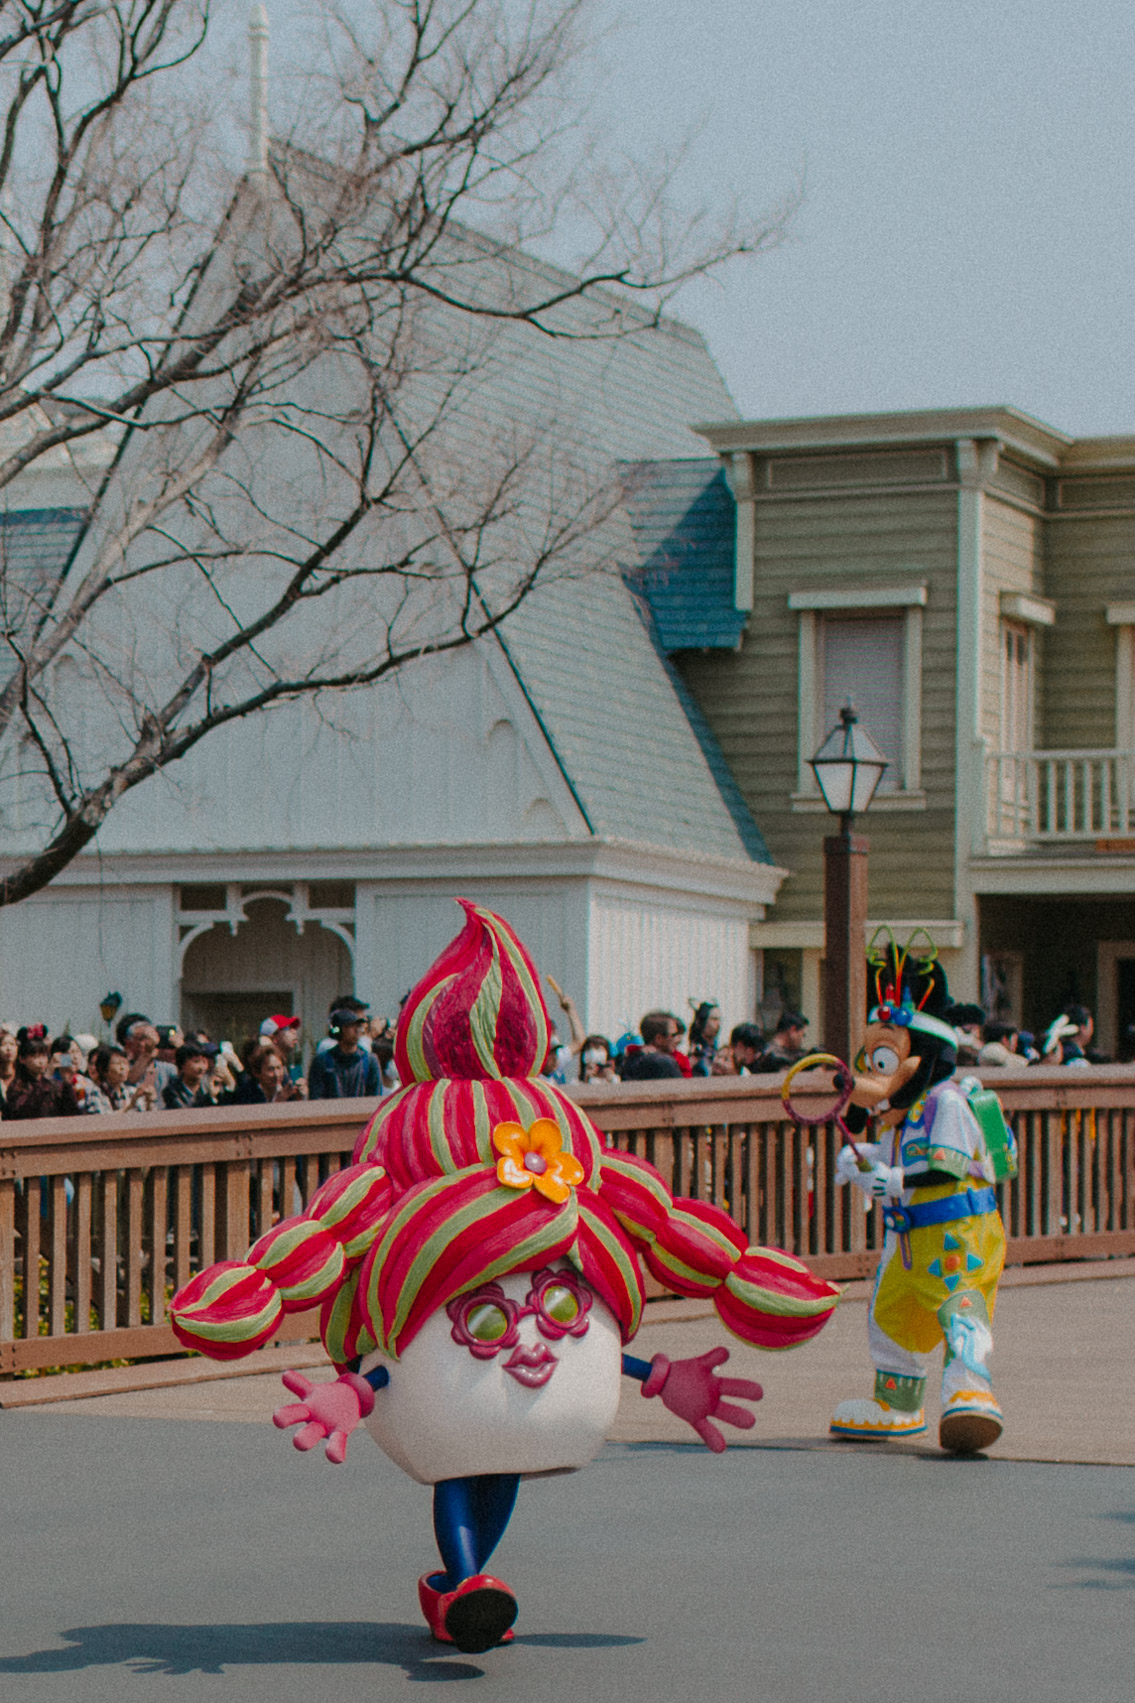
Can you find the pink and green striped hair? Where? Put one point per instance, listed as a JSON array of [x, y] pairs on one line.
[[422, 1216]]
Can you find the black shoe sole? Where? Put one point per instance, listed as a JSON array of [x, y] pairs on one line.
[[968, 1433], [480, 1619]]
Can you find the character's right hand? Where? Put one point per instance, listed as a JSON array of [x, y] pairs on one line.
[[330, 1410]]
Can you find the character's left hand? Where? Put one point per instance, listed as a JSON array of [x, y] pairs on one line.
[[330, 1410], [692, 1390]]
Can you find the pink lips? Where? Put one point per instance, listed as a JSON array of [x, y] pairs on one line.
[[532, 1367]]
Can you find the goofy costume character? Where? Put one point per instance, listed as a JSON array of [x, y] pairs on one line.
[[944, 1247]]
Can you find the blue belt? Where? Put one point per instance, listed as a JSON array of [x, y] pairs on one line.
[[971, 1203]]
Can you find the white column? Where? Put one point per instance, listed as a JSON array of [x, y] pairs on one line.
[[976, 462], [258, 89]]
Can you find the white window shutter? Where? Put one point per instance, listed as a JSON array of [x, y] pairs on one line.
[[862, 663]]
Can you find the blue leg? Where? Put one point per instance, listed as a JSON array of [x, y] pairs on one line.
[[494, 1500], [470, 1516]]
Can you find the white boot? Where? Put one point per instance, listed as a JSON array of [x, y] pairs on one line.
[[896, 1410], [971, 1415]]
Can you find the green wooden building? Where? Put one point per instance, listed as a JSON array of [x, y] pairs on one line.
[[967, 578]]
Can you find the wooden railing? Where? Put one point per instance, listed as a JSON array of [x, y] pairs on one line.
[[1051, 797], [108, 1216]]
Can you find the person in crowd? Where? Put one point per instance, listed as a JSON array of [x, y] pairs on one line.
[[9, 1049], [125, 1023], [344, 1071], [562, 1054], [266, 1081], [35, 1093], [660, 1031], [347, 1002], [192, 1086], [141, 1048], [704, 1030], [595, 1061], [113, 1091], [286, 1035], [170, 1038], [747, 1044], [999, 1047], [63, 1069], [382, 1035], [788, 1045], [723, 1064], [680, 1055], [1069, 1038], [967, 1021]]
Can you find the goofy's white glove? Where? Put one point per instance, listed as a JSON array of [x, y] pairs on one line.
[[881, 1182]]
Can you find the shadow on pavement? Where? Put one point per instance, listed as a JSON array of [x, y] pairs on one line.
[[212, 1649]]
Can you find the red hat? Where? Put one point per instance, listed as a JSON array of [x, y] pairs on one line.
[[273, 1025]]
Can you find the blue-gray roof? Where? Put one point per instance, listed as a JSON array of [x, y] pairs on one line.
[[35, 548], [683, 519]]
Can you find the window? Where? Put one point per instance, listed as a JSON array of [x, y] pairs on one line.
[[1016, 687], [861, 663], [863, 647]]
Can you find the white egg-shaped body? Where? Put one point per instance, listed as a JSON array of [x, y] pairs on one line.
[[448, 1414]]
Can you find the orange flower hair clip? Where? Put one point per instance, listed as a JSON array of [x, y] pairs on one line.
[[534, 1158]]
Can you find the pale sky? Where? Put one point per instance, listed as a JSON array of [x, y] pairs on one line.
[[967, 232]]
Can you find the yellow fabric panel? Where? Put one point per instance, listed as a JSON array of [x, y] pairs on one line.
[[907, 1302]]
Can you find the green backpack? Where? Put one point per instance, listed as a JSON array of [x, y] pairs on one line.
[[997, 1138]]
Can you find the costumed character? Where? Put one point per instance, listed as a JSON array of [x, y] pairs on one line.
[[479, 1271], [943, 1144]]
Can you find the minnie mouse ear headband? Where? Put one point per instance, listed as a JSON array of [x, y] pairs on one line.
[[909, 980]]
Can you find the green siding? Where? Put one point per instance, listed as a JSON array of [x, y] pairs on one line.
[[1013, 552], [1090, 563], [750, 697]]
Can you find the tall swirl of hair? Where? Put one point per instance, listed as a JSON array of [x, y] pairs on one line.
[[423, 1214]]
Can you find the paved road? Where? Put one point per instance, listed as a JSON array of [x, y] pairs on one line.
[[160, 1559], [1064, 1364]]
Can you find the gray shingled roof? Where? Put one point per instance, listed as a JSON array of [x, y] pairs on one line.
[[633, 746], [621, 725], [683, 519]]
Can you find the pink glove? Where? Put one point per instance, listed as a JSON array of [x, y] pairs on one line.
[[326, 1410], [691, 1389]]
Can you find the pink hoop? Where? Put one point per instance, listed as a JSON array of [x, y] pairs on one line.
[[831, 1114]]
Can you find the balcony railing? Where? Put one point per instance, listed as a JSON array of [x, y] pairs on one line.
[[1060, 797]]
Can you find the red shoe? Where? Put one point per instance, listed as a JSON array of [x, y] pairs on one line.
[[434, 1602], [429, 1599], [478, 1614]]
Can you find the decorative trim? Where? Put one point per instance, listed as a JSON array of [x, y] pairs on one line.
[[1120, 614], [810, 803], [420, 867], [1039, 877], [1029, 439], [740, 471], [806, 936], [870, 597], [191, 925], [1030, 609]]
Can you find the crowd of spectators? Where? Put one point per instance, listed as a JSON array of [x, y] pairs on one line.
[[153, 1067], [664, 1046], [150, 1067]]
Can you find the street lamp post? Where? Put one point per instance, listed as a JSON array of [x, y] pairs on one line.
[[848, 767]]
